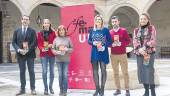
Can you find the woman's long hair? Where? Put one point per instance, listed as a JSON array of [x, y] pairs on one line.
[[95, 27], [45, 32], [50, 29]]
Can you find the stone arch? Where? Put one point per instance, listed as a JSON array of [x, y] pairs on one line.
[[114, 8], [41, 11], [128, 16], [11, 14], [159, 13], [55, 2], [18, 5], [148, 5], [99, 10]]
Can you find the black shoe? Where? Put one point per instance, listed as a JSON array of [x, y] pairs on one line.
[[117, 92], [33, 92], [21, 92], [65, 93], [51, 91], [45, 92], [127, 93], [61, 93]]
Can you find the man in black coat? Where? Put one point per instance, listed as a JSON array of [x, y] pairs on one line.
[[25, 42]]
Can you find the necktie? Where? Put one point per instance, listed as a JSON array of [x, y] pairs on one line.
[[24, 31]]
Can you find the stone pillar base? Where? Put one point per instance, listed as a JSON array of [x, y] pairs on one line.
[[133, 79]]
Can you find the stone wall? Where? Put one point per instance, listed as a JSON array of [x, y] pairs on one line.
[[129, 8]]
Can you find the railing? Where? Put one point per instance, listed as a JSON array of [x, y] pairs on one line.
[[164, 52]]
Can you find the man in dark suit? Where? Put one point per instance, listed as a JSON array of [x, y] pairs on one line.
[[25, 42]]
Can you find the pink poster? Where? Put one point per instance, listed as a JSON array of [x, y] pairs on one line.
[[78, 20]]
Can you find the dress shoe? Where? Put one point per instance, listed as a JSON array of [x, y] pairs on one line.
[[127, 93], [33, 92], [51, 91], [61, 93], [45, 92], [64, 93], [117, 92], [21, 92]]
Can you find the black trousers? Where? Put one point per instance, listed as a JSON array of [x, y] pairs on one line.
[[22, 67], [95, 66]]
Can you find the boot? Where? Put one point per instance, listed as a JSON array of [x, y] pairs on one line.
[[153, 90], [146, 86], [101, 93], [97, 91]]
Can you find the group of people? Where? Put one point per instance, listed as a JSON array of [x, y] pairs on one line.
[[56, 47], [144, 41]]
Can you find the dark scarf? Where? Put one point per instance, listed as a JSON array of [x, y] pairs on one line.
[[46, 34], [142, 33]]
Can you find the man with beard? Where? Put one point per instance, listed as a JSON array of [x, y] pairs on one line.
[[120, 40]]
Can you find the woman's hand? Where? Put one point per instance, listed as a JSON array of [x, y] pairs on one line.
[[142, 51], [146, 57], [99, 44], [43, 50], [61, 48], [50, 45]]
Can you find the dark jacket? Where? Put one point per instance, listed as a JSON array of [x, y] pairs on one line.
[[19, 38]]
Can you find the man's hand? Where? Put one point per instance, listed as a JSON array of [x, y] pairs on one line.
[[22, 51], [114, 44]]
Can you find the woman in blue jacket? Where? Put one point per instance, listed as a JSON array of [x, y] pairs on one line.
[[100, 40]]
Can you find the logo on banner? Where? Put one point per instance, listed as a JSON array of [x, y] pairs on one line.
[[83, 30]]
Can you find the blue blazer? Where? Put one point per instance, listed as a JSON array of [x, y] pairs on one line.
[[19, 38]]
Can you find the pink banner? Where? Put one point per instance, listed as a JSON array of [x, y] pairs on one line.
[[78, 20]]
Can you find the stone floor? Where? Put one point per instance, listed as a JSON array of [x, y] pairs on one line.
[[9, 81]]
